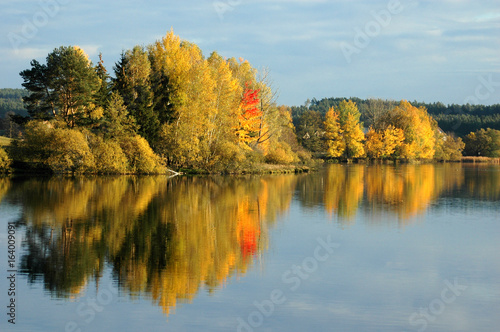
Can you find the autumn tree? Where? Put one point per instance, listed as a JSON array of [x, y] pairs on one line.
[[250, 117], [418, 129], [448, 148], [343, 131], [334, 141], [184, 138], [223, 149], [383, 144], [485, 143], [5, 161], [281, 146]]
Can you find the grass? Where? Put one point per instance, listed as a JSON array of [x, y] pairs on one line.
[[4, 141]]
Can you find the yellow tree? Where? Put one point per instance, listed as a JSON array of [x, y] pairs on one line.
[[374, 144], [334, 139], [184, 138], [222, 143], [343, 131], [353, 137], [393, 138], [417, 126]]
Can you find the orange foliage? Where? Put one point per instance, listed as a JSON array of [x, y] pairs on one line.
[[250, 117]]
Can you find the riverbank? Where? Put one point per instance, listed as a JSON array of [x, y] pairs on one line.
[[260, 168], [483, 160]]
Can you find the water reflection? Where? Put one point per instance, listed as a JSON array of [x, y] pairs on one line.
[[164, 238], [168, 238]]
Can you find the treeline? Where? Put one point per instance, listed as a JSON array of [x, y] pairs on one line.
[[391, 130], [11, 100], [457, 119], [11, 104], [166, 106], [403, 133]]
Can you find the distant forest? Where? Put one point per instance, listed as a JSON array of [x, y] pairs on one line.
[[11, 102], [459, 120]]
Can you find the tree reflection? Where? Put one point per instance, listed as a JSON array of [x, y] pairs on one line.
[[4, 186], [167, 239], [344, 190], [483, 181], [164, 239], [409, 189]]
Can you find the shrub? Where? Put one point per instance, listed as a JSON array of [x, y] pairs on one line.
[[141, 158], [60, 150], [109, 157], [304, 157], [5, 161], [281, 154]]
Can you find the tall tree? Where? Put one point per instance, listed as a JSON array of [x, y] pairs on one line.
[[353, 137], [132, 82], [334, 141], [418, 128], [250, 117], [64, 88], [344, 131], [103, 94]]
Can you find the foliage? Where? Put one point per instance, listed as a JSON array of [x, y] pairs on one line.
[[484, 143], [448, 147], [109, 156], [281, 154], [64, 88], [62, 150], [5, 161], [418, 128], [310, 130], [353, 137], [192, 111], [141, 157], [250, 117], [383, 144], [333, 134], [344, 135]]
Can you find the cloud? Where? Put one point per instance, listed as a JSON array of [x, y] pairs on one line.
[[298, 40]]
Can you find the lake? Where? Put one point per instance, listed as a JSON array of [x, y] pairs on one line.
[[347, 248]]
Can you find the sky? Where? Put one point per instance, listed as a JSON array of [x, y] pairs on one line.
[[426, 50]]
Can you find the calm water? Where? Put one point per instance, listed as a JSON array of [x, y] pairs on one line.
[[350, 248]]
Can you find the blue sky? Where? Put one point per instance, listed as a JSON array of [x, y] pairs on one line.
[[425, 50]]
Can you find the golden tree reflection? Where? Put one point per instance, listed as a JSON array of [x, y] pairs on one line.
[[165, 239], [4, 186], [168, 239], [409, 189], [344, 190]]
